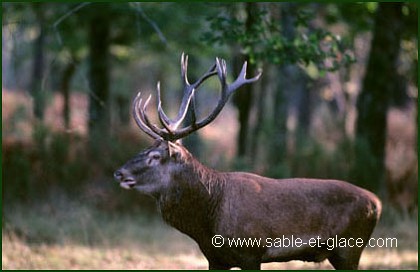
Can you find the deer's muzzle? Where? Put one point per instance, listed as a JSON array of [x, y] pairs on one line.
[[125, 179]]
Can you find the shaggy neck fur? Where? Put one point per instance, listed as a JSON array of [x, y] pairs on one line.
[[191, 201]]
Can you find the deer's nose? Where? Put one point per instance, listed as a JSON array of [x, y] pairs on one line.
[[118, 175]]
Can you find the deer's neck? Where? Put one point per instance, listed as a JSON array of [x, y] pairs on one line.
[[190, 203]]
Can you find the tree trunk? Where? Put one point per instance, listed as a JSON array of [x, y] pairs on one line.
[[243, 99], [243, 102], [372, 104], [278, 143], [38, 64], [304, 101], [99, 42], [192, 141], [123, 103], [261, 107], [291, 91], [68, 73]]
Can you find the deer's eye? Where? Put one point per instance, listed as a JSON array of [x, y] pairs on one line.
[[154, 156]]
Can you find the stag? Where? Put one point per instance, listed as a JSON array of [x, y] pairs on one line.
[[202, 202]]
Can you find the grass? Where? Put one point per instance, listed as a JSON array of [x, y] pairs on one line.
[[19, 255], [65, 233]]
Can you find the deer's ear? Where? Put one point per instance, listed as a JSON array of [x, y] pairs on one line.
[[174, 151]]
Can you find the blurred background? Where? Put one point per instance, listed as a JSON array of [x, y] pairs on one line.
[[337, 99]]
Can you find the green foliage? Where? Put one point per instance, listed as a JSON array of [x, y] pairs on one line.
[[359, 16], [366, 169], [32, 170], [71, 165], [310, 159], [265, 39], [17, 175]]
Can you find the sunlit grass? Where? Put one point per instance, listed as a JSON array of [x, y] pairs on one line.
[[67, 234], [19, 255]]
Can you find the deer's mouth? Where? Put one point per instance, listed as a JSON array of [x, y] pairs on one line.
[[128, 183]]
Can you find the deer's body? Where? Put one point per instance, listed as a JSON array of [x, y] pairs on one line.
[[202, 202]]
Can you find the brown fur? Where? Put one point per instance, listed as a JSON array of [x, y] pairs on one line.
[[203, 202]]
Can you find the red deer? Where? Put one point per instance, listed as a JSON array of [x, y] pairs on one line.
[[202, 202]]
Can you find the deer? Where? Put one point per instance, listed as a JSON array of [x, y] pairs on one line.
[[205, 204]]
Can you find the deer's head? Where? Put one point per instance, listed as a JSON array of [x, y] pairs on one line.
[[151, 170]]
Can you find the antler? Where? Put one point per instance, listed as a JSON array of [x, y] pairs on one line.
[[171, 132], [187, 99]]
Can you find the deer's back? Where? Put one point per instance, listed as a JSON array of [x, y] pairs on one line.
[[262, 206]]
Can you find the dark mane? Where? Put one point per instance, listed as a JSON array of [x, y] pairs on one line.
[[211, 179]]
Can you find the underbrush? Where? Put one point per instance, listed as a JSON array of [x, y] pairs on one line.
[[81, 168]]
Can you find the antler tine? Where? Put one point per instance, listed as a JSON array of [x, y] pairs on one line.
[[138, 118], [212, 71], [173, 125], [226, 91], [187, 99], [163, 118], [189, 90], [195, 86], [222, 74], [146, 120], [184, 68], [224, 96], [241, 80]]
